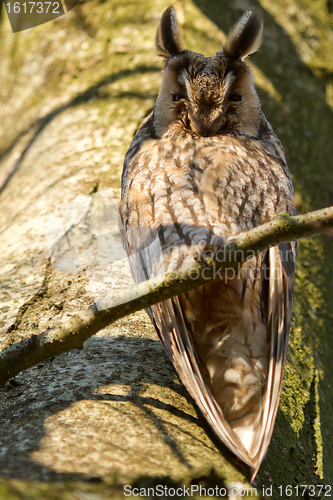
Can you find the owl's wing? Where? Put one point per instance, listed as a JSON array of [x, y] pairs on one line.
[[278, 306], [170, 323]]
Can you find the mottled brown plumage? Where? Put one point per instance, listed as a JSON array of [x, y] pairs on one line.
[[204, 167]]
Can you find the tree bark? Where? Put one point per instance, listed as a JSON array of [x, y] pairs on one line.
[[73, 92]]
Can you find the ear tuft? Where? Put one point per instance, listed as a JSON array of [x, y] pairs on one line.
[[168, 40], [245, 37]]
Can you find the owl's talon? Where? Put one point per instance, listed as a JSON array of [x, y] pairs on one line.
[[219, 243], [199, 254], [208, 254], [218, 247]]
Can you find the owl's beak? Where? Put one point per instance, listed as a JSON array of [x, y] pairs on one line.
[[203, 126], [205, 120], [202, 122]]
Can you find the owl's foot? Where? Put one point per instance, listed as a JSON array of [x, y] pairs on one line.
[[214, 251], [218, 249], [219, 244]]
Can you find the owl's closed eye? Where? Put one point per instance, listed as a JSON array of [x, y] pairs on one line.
[[208, 95]]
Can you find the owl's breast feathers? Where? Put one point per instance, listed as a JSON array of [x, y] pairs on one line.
[[227, 339], [226, 183]]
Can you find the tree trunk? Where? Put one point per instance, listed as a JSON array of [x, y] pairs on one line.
[[73, 92]]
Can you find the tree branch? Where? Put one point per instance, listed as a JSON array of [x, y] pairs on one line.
[[77, 330]]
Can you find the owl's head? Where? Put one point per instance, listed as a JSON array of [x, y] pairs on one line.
[[208, 95]]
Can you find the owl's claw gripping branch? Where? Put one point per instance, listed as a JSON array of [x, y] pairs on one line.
[[207, 253], [217, 250], [73, 333]]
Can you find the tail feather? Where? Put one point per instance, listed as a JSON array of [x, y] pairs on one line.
[[233, 368], [171, 326]]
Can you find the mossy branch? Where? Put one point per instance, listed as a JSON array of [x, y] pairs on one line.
[[77, 330]]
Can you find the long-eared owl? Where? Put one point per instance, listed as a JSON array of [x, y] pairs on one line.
[[204, 167]]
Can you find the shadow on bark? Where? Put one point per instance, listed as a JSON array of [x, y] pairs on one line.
[[33, 406]]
